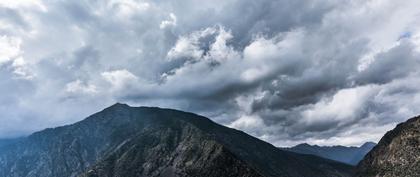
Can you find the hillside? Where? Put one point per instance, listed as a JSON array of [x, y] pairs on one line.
[[144, 141], [397, 153]]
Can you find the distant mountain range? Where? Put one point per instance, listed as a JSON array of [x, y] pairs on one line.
[[348, 155], [153, 142], [397, 153]]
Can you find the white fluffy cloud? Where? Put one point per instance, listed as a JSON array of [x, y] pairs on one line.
[[168, 23], [119, 78], [78, 86], [10, 48], [324, 72], [343, 107]]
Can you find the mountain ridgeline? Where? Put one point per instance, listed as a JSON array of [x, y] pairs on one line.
[[397, 153], [154, 142], [348, 155]]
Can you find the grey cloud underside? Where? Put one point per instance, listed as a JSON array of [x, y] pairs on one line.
[[323, 72]]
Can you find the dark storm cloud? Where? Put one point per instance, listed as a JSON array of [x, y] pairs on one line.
[[322, 72], [396, 63]]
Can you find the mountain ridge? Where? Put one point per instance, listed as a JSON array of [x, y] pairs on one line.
[[349, 155], [120, 137]]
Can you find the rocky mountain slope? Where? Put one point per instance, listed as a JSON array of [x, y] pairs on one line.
[[348, 155], [143, 141], [397, 153], [5, 142]]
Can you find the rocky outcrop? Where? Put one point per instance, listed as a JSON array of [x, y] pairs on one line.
[[144, 141], [396, 155]]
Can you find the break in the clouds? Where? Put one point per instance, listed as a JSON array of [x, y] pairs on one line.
[[322, 72]]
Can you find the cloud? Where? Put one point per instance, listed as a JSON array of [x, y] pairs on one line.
[[248, 122], [383, 69], [23, 4], [10, 48], [324, 72], [119, 79], [78, 86], [345, 106], [167, 23]]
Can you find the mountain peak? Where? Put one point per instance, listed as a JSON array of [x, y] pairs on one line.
[[147, 141], [303, 145], [118, 104]]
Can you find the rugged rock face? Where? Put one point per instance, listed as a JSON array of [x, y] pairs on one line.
[[348, 155], [143, 141], [397, 154], [187, 152]]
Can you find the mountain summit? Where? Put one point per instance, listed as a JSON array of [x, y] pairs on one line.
[[147, 141]]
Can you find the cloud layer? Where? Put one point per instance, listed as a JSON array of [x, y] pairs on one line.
[[322, 72]]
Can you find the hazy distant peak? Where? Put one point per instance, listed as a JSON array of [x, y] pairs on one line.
[[368, 144], [119, 105], [350, 155]]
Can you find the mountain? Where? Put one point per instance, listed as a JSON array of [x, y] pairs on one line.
[[397, 153], [147, 141], [4, 142], [348, 155]]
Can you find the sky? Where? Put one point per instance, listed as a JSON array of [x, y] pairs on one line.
[[326, 72]]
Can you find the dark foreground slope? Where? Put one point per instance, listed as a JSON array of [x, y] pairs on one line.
[[348, 155], [141, 141], [397, 153]]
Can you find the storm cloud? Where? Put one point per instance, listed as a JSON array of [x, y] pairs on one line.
[[322, 72]]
